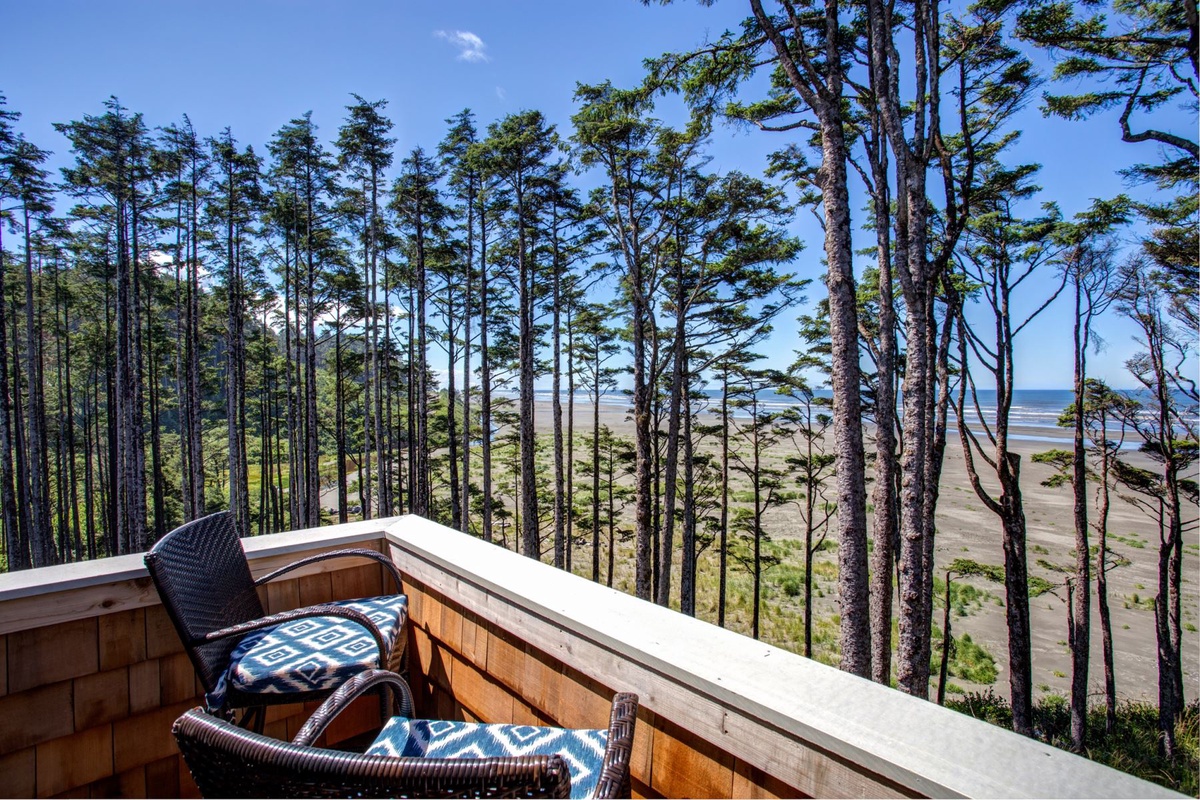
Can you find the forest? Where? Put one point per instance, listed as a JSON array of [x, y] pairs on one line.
[[546, 335]]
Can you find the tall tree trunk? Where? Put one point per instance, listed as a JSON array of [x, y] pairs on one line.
[[41, 533], [156, 462], [413, 400], [292, 388], [1080, 616], [723, 551], [560, 487], [756, 489], [91, 437], [195, 444], [850, 484], [883, 495], [642, 432], [612, 512], [15, 541], [570, 457], [938, 402], [235, 383], [340, 420], [485, 378], [687, 569], [312, 448], [69, 420], [530, 544], [383, 454], [465, 493], [457, 520], [137, 423], [1167, 606], [423, 491], [810, 502], [1016, 585], [671, 467], [1010, 510], [183, 401], [366, 478], [596, 467], [826, 101], [1110, 685], [21, 450], [918, 281]]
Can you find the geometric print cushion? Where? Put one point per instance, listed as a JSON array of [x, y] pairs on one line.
[[582, 750], [315, 653]]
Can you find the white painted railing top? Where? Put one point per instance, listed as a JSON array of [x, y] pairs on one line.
[[84, 574], [764, 705]]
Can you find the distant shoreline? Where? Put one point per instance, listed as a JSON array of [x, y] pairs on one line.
[[611, 405]]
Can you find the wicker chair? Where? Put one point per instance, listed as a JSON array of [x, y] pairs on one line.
[[247, 660], [226, 761]]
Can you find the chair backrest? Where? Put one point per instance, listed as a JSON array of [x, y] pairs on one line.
[[204, 581], [227, 761]]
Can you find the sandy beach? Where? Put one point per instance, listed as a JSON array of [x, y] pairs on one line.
[[967, 529]]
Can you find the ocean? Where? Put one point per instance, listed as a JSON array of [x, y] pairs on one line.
[[1034, 412]]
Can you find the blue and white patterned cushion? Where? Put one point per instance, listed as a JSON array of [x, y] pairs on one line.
[[582, 750], [314, 653]]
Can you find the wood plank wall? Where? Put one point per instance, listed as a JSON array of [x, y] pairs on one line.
[[86, 705], [464, 667]]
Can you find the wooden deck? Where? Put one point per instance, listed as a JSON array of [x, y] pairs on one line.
[[92, 676]]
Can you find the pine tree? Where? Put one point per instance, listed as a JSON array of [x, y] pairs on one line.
[[597, 345], [613, 132], [187, 165], [16, 533], [422, 217], [1000, 251], [466, 185], [111, 171], [233, 205], [364, 152], [518, 151], [304, 176], [32, 191]]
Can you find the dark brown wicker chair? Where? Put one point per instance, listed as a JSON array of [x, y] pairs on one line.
[[247, 660], [226, 761]]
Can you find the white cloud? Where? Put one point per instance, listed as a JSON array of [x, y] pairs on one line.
[[470, 47], [501, 93]]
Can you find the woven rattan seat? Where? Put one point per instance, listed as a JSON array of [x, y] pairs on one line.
[[246, 659], [226, 761]]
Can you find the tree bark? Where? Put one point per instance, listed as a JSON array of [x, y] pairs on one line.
[[16, 548], [530, 542], [824, 96], [1081, 611], [883, 495]]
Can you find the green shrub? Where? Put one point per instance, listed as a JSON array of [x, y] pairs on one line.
[[968, 660], [971, 662]]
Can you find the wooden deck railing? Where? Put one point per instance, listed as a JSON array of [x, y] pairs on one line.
[[92, 675], [500, 637]]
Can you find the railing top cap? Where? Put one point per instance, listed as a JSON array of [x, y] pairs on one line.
[[100, 571]]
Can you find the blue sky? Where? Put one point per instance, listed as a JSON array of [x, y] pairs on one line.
[[255, 64]]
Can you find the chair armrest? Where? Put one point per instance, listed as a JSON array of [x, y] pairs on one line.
[[349, 691], [354, 552], [614, 770], [302, 613]]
